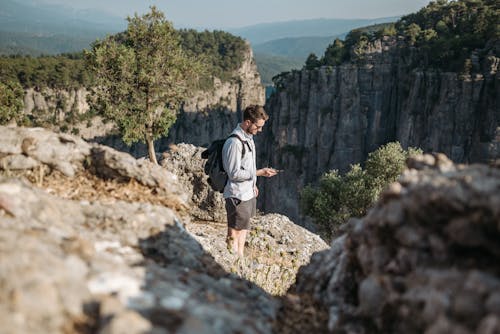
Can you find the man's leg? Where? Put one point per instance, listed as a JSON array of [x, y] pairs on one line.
[[242, 235], [232, 239], [238, 218]]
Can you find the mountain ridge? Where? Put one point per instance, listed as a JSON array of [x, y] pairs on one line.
[[35, 21], [322, 27]]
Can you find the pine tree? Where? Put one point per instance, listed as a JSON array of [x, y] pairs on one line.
[[142, 77]]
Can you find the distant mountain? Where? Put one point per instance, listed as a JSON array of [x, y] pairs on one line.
[[29, 27], [261, 33], [12, 43], [270, 65], [30, 16], [296, 47]]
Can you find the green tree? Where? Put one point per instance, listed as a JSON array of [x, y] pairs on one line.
[[337, 197], [142, 77], [412, 32], [385, 164], [335, 53], [11, 101], [312, 62]]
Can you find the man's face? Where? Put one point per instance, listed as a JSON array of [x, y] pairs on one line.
[[255, 127]]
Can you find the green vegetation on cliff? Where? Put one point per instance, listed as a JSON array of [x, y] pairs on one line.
[[11, 95], [64, 71], [222, 54], [445, 35]]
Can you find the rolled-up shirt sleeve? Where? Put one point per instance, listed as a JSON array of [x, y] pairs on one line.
[[231, 160]]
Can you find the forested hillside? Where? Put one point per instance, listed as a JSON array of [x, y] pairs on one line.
[[448, 35], [222, 53]]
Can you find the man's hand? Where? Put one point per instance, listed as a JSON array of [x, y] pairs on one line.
[[267, 172], [256, 191]]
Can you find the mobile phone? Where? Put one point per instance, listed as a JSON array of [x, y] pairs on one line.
[[278, 170]]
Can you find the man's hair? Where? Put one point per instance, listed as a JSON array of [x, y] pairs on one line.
[[254, 112]]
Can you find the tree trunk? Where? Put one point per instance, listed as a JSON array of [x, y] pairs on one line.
[[151, 150]]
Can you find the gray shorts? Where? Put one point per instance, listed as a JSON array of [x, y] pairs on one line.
[[239, 212]]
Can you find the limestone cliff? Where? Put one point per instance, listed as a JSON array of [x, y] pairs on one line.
[[331, 117]]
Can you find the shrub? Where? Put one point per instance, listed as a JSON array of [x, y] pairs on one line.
[[11, 101], [337, 198]]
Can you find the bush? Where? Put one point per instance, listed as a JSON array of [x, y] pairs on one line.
[[338, 198], [11, 102]]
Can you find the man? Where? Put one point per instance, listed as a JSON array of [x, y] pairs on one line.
[[241, 190]]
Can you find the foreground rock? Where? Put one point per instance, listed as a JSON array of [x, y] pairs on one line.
[[424, 259], [93, 240], [115, 268]]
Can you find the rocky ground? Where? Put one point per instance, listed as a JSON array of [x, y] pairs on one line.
[[93, 240]]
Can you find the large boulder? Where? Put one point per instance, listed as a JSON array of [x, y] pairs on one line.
[[25, 149], [184, 161], [424, 259]]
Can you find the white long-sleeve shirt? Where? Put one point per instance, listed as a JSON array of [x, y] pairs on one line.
[[241, 171]]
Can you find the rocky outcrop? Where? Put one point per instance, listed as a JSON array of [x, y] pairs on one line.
[[59, 102], [332, 117], [102, 242], [27, 148], [113, 268], [424, 259], [184, 160]]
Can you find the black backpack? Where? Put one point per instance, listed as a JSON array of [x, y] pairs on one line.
[[217, 176]]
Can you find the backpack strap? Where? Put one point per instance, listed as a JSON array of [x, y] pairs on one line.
[[243, 142]]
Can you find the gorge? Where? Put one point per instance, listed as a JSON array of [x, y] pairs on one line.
[[331, 117]]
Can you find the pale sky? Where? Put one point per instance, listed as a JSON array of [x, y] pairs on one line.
[[218, 14]]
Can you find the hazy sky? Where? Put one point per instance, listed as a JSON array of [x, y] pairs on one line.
[[238, 13]]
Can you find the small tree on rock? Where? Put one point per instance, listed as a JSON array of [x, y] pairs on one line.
[[142, 77]]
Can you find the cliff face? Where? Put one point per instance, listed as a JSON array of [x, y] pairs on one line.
[[329, 118], [57, 101]]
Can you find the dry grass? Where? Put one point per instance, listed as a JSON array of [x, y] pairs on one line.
[[86, 186]]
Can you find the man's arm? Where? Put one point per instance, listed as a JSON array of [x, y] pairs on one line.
[[231, 159], [267, 172]]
